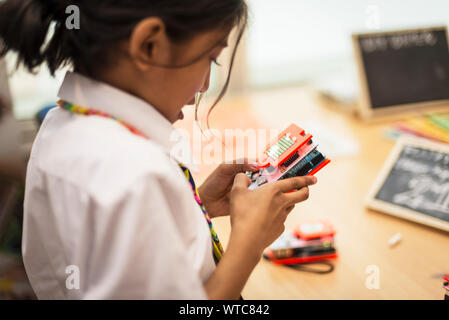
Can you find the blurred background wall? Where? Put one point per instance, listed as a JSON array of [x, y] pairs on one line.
[[288, 42]]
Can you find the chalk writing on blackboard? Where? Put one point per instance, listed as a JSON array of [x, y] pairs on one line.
[[402, 69], [419, 180], [399, 41]]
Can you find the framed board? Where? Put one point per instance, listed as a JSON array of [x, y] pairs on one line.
[[414, 183], [402, 71]]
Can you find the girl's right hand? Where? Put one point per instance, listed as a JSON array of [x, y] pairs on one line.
[[258, 215]]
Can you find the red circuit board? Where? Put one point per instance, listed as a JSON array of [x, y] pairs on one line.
[[287, 142]]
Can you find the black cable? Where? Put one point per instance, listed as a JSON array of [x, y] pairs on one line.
[[306, 267]]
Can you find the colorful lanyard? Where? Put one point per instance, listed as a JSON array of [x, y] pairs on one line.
[[217, 248]]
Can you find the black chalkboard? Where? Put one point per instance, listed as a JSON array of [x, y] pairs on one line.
[[406, 67], [419, 180]]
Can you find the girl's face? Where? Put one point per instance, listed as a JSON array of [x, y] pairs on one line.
[[148, 72], [184, 83]]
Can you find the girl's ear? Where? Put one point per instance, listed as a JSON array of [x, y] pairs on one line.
[[149, 44]]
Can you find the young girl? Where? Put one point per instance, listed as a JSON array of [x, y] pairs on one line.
[[110, 212]]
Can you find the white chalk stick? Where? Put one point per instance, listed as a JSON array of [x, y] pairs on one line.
[[395, 239]]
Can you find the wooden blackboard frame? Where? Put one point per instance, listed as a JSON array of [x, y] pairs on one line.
[[396, 210], [364, 107]]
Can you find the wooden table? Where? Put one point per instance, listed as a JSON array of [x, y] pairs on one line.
[[410, 270]]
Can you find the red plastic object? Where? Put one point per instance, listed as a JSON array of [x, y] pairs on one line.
[[297, 260], [314, 229]]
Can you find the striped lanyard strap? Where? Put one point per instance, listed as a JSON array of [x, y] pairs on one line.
[[217, 247]]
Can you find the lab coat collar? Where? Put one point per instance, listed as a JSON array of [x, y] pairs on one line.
[[89, 93]]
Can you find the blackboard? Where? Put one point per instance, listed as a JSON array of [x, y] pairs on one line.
[[404, 67], [414, 183]]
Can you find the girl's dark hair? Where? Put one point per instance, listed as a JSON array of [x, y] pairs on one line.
[[2, 109], [36, 29]]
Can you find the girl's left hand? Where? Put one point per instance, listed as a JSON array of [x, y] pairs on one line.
[[214, 192]]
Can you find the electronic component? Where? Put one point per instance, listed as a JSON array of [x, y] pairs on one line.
[[292, 154], [289, 249]]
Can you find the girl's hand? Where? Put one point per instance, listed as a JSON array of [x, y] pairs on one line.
[[258, 216], [214, 192], [257, 219]]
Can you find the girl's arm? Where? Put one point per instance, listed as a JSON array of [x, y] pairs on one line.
[[257, 219], [234, 269]]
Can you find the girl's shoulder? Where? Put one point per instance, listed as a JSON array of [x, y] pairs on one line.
[[97, 153]]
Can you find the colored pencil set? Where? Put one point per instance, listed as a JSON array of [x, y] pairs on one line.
[[434, 126]]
